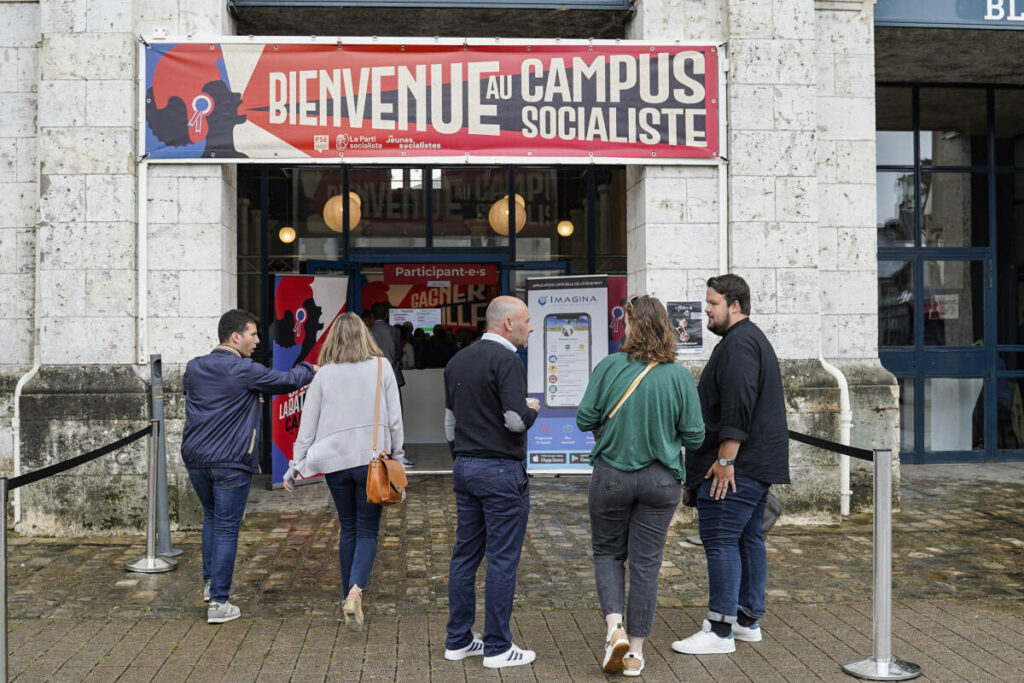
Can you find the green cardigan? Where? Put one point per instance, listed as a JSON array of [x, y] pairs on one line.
[[661, 417]]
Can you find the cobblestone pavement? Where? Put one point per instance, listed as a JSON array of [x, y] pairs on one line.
[[75, 614]]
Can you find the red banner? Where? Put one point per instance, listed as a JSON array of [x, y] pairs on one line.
[[441, 100]]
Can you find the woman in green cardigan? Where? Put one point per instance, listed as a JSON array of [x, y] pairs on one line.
[[644, 407]]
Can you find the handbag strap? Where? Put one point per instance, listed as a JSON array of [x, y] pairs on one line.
[[376, 406], [632, 387]]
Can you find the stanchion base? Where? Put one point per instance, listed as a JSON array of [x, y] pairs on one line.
[[173, 552], [150, 565], [893, 670]]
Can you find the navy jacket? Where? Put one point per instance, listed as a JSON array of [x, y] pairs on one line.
[[222, 407]]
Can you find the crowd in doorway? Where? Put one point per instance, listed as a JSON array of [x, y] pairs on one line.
[[422, 348]]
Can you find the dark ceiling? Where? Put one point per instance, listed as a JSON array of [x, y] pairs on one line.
[[428, 22]]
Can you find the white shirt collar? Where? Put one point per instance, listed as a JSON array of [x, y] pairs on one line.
[[490, 336]]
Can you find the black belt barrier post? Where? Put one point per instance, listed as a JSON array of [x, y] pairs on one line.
[[150, 563], [882, 666], [156, 396]]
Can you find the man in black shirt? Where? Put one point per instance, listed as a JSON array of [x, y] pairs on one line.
[[745, 451], [486, 417]]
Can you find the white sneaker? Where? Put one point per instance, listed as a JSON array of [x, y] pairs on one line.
[[511, 657], [218, 613], [705, 642], [748, 634], [474, 649]]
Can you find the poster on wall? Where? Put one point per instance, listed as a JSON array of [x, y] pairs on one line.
[[617, 294], [569, 316], [686, 317], [305, 308], [431, 100]]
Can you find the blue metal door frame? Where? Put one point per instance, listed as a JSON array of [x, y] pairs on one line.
[[920, 361]]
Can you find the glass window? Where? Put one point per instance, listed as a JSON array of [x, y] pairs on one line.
[[610, 220], [953, 303], [1010, 404], [554, 205], [954, 129], [1010, 257], [391, 206], [906, 414], [954, 211], [1009, 127], [895, 193], [468, 208], [954, 414], [895, 303], [894, 124]]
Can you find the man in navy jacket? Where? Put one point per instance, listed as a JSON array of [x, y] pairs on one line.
[[222, 419]]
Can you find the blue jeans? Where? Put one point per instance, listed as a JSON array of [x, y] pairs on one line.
[[492, 499], [359, 521], [629, 517], [222, 492], [730, 530]]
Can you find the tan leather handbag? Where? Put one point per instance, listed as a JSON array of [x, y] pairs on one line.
[[385, 478]]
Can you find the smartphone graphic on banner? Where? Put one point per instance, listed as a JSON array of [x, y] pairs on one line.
[[567, 345]]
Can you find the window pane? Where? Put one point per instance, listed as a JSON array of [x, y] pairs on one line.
[[894, 123], [895, 303], [1009, 128], [954, 414], [955, 209], [392, 206], [895, 191], [463, 199], [553, 196], [1010, 404], [953, 127], [906, 414], [610, 220], [1010, 257], [953, 303]]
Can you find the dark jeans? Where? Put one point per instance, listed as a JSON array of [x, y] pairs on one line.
[[492, 499], [359, 520], [730, 530], [222, 492], [629, 517]]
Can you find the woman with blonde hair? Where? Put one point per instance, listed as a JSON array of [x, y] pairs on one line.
[[643, 408], [336, 437]]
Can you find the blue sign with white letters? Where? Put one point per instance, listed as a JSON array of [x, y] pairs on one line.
[[996, 14]]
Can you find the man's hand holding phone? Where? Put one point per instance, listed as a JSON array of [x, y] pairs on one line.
[[533, 403]]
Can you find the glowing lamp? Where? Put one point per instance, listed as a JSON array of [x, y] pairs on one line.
[[497, 217], [334, 209], [286, 234], [565, 228]]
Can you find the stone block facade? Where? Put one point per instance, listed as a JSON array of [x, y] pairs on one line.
[[798, 211]]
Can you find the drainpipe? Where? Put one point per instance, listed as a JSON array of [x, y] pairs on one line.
[[27, 377], [845, 423], [723, 163]]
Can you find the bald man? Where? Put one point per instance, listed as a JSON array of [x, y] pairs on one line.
[[486, 417]]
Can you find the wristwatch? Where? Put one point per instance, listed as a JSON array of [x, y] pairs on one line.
[[725, 463]]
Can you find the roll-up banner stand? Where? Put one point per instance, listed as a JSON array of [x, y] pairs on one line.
[[569, 316], [305, 308], [430, 100]]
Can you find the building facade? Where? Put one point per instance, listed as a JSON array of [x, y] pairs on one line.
[[101, 270]]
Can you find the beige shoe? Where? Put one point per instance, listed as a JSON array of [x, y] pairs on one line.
[[632, 664], [352, 608], [615, 649]]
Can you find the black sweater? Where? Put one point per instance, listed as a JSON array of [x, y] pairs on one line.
[[485, 389], [741, 398]]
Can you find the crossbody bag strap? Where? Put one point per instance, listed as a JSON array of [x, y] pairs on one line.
[[632, 387], [376, 405]]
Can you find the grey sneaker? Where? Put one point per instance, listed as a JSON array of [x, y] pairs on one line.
[[352, 608], [206, 592], [218, 613]]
